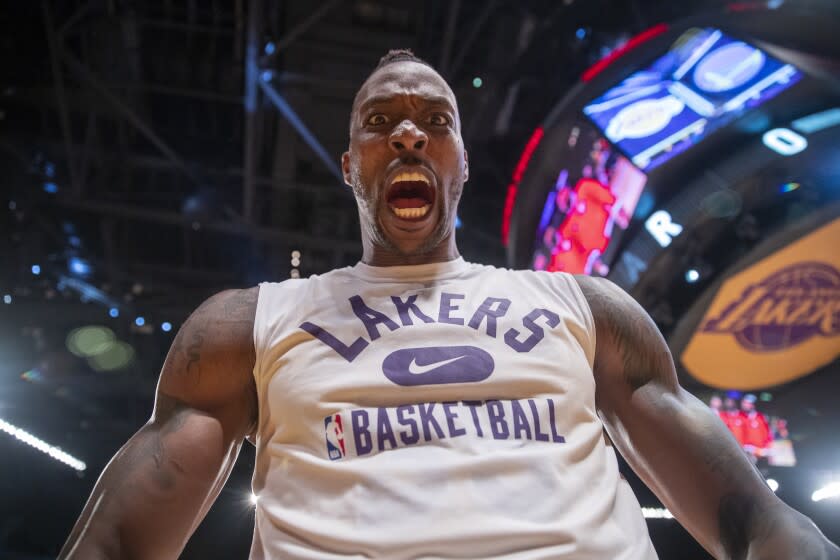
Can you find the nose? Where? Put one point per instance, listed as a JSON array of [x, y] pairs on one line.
[[406, 136]]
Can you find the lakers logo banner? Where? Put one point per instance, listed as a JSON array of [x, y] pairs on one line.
[[774, 322]]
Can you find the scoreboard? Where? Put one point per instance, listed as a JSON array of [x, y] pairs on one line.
[[672, 135], [706, 147]]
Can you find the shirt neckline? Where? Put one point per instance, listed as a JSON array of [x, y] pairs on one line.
[[437, 271]]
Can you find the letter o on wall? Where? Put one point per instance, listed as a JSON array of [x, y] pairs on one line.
[[784, 141]]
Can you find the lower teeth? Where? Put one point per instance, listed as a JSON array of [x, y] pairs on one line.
[[411, 212]]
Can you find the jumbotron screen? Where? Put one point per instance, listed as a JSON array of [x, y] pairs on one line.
[[592, 201], [702, 83]]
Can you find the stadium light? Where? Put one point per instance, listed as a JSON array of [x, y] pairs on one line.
[[42, 446], [254, 498], [831, 490], [656, 513], [773, 484]]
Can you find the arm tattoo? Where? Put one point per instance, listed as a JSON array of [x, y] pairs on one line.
[[635, 338], [194, 351], [643, 352]]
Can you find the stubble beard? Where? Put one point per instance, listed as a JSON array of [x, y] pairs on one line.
[[369, 206]]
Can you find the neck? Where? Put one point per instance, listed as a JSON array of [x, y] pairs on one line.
[[376, 255]]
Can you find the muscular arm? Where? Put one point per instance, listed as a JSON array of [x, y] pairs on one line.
[[160, 484], [680, 448]]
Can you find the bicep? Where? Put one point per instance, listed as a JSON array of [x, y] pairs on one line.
[[163, 480], [676, 444]]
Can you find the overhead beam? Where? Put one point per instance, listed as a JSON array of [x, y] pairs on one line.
[[291, 35], [55, 48], [289, 113], [302, 240], [471, 36], [250, 156], [449, 36], [84, 74]]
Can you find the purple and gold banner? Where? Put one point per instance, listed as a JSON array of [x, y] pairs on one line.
[[775, 321]]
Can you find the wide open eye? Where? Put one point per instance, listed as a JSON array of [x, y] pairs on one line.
[[439, 119], [377, 119]]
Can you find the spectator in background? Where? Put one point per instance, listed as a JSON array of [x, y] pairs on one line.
[[733, 419], [757, 435], [716, 404]]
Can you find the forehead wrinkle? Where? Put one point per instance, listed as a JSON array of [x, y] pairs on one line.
[[413, 79], [435, 100]]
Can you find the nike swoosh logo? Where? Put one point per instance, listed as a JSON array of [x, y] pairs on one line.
[[416, 369]]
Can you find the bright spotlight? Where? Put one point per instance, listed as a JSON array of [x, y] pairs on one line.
[[254, 498], [166, 326], [79, 266], [831, 490], [42, 446], [773, 484], [140, 321], [7, 299], [692, 276], [36, 269], [656, 513], [114, 312]]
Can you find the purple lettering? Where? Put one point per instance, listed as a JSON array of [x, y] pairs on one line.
[[349, 353], [472, 405], [428, 420], [403, 308], [371, 317], [451, 416], [537, 333], [496, 413], [538, 435], [520, 421], [384, 431], [403, 421], [554, 437], [486, 310], [446, 307], [360, 421]]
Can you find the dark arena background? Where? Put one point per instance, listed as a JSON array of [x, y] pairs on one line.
[[154, 153]]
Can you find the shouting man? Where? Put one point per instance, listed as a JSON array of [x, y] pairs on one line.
[[419, 406]]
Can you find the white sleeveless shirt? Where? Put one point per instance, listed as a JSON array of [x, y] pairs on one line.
[[435, 411]]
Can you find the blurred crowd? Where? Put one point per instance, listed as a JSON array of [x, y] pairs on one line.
[[760, 436]]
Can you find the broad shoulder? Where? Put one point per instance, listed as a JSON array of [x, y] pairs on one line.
[[212, 356], [629, 345], [238, 306]]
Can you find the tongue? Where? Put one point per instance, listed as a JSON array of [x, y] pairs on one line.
[[408, 202]]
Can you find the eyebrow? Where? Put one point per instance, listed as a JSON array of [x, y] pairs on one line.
[[385, 99]]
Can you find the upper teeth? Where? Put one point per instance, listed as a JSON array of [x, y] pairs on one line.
[[410, 176]]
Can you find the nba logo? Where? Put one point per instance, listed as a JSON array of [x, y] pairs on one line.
[[335, 436]]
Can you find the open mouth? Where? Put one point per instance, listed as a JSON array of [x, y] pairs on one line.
[[410, 195]]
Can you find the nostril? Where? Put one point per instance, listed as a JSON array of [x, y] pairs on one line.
[[398, 145], [419, 145]]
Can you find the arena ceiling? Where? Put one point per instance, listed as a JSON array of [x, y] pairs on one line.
[[153, 153]]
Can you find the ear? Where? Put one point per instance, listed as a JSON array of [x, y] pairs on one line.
[[345, 168], [466, 166]]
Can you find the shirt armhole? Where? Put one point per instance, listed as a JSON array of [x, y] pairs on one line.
[[583, 313]]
